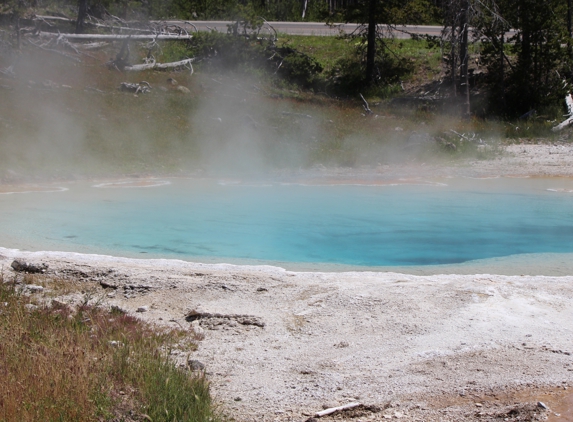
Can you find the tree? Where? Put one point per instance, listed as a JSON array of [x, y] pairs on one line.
[[82, 12], [458, 15], [371, 42], [378, 19], [534, 77]]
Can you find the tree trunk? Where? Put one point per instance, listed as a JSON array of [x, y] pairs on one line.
[[451, 21], [371, 38], [82, 12], [18, 32], [569, 29], [464, 58], [502, 69]]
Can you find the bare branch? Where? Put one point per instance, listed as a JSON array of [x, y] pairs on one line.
[[116, 37], [160, 66], [365, 105]]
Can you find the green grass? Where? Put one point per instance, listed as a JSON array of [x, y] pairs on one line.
[[57, 364], [326, 50], [227, 119]]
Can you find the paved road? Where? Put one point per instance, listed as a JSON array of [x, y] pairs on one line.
[[308, 28]]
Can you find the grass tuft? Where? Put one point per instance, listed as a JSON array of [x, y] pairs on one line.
[[57, 364]]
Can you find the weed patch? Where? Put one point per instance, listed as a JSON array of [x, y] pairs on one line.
[[87, 365]]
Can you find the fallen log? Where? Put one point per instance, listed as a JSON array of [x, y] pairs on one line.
[[117, 37], [160, 66], [569, 120], [241, 319], [42, 18]]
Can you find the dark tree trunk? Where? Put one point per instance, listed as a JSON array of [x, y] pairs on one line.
[[502, 69], [18, 32], [371, 38], [569, 29], [464, 58], [525, 37], [82, 12]]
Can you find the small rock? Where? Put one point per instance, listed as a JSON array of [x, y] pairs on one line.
[[22, 266], [183, 89], [195, 365], [542, 405], [142, 309], [117, 309], [30, 307], [262, 289], [172, 81], [33, 288], [330, 405], [115, 343], [398, 415], [479, 404], [238, 399], [56, 303], [197, 328], [398, 129]]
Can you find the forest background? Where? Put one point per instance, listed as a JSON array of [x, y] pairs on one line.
[[500, 58]]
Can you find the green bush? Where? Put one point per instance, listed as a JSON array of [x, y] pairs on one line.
[[245, 51], [348, 75]]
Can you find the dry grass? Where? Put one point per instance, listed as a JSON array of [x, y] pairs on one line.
[[92, 365], [93, 129]]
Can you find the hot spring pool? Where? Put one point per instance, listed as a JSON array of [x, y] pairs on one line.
[[407, 223]]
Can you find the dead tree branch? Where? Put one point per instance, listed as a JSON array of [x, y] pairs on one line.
[[336, 409], [142, 87], [51, 50], [569, 120], [160, 66], [365, 105], [117, 37]]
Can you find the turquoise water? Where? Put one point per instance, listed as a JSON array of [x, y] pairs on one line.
[[451, 222]]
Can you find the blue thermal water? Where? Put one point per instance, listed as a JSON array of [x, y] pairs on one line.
[[354, 225]]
